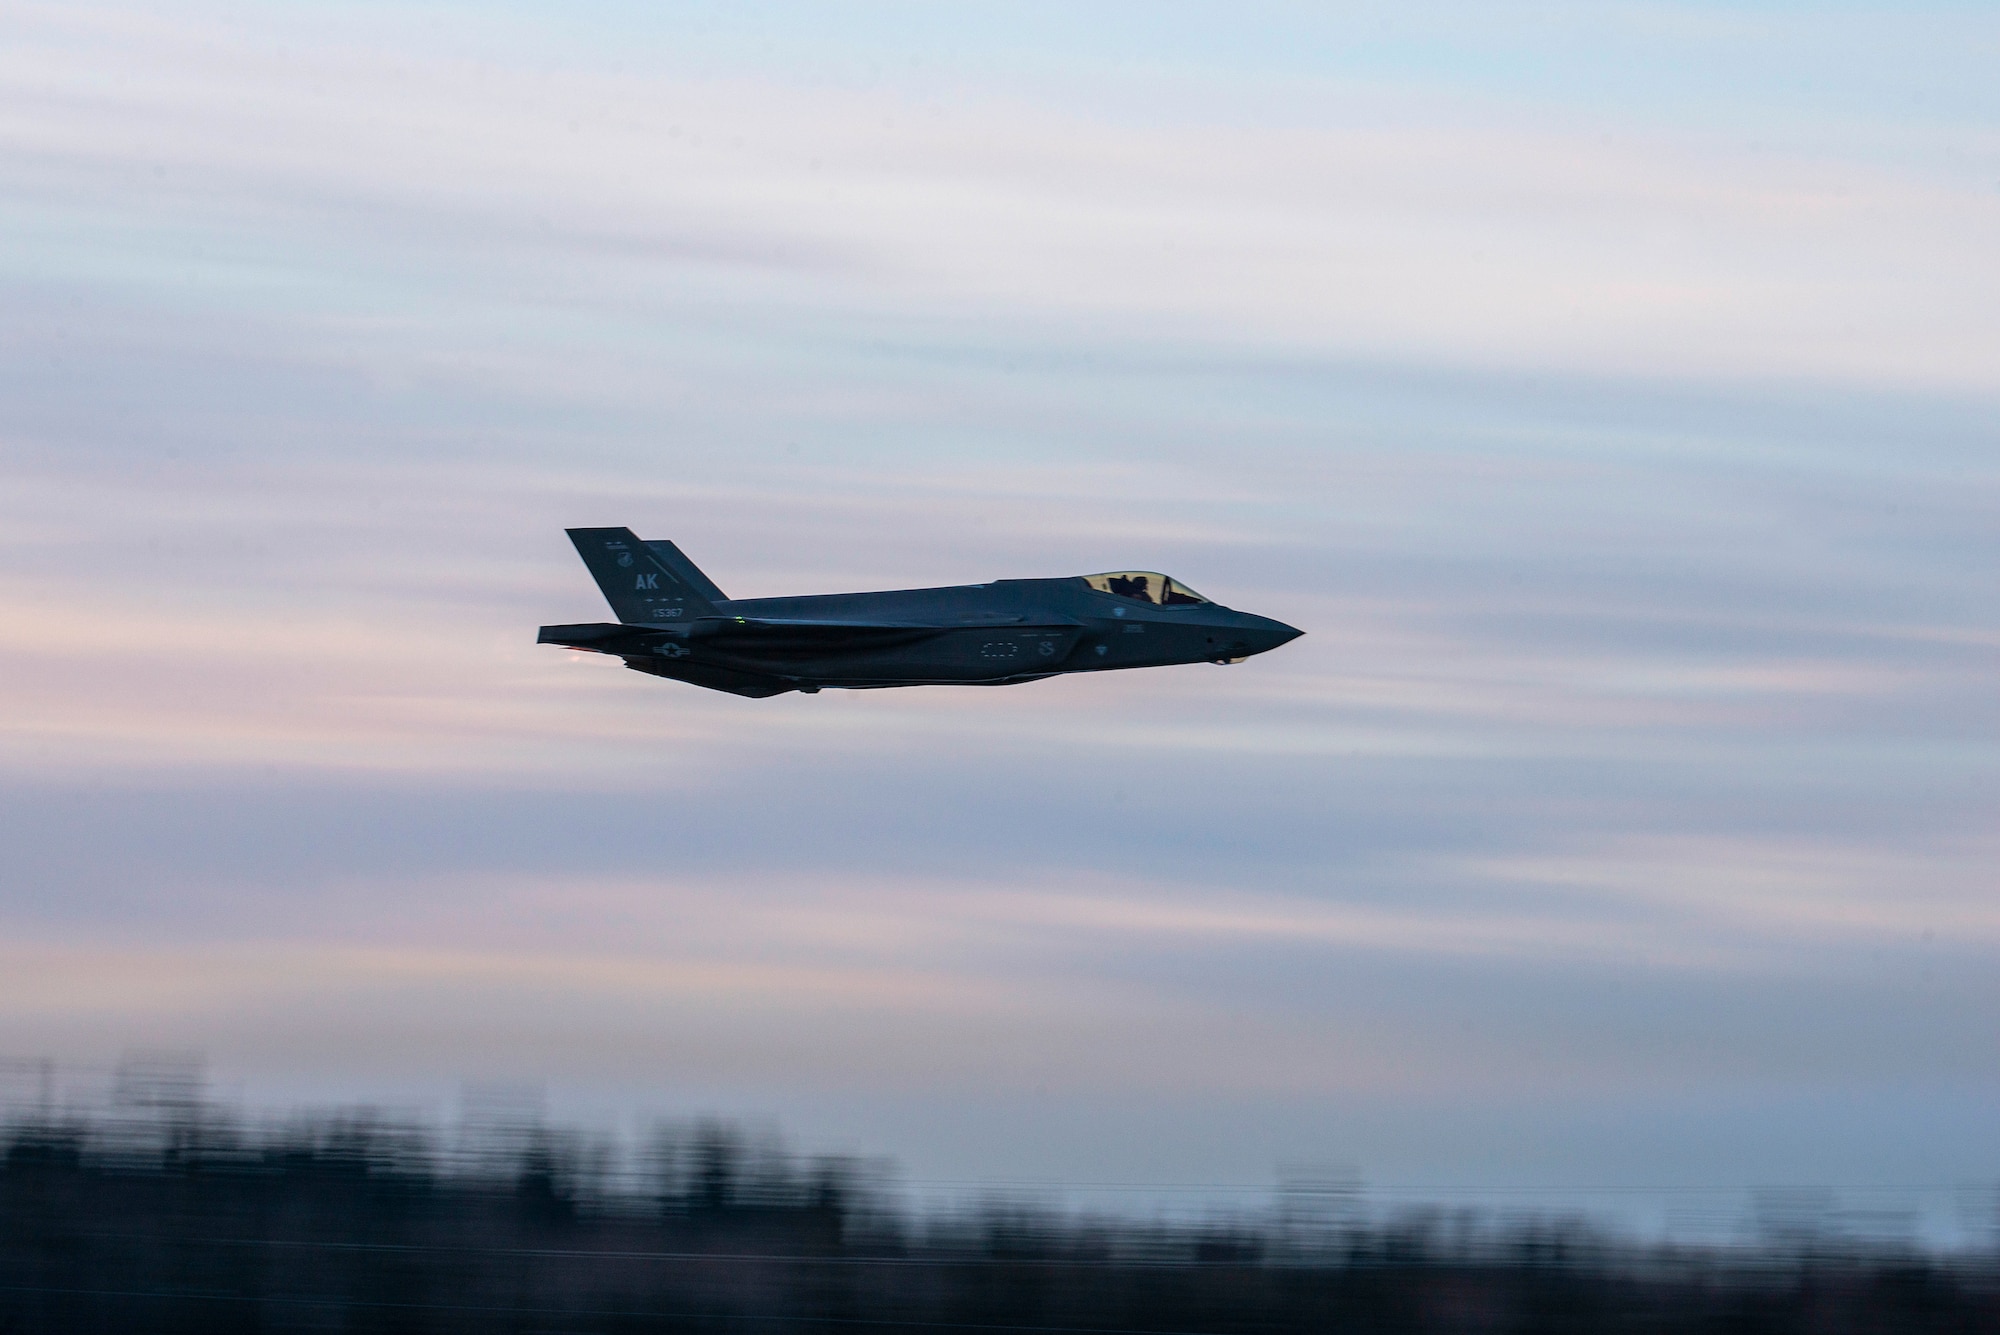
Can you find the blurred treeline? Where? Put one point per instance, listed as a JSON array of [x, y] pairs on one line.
[[162, 1211]]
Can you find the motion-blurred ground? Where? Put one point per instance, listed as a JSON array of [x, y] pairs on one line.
[[163, 1211]]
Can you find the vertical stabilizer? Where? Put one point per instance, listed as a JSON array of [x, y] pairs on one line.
[[686, 571], [643, 588]]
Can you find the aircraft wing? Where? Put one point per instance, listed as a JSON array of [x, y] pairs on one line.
[[752, 625], [611, 637], [759, 656], [974, 621], [755, 637], [759, 635]]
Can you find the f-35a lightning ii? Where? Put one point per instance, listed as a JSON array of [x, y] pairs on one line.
[[673, 622]]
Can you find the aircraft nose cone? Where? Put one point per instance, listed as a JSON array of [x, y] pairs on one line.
[[1257, 635], [1267, 634]]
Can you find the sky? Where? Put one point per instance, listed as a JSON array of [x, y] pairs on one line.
[[1609, 390]]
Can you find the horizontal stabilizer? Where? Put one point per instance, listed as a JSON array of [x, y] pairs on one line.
[[590, 633]]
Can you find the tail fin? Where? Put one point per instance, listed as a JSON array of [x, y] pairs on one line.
[[642, 588], [686, 571]]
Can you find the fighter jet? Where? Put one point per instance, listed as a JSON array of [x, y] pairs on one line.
[[673, 622]]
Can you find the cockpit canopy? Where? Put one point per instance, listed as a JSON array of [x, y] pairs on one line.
[[1146, 586]]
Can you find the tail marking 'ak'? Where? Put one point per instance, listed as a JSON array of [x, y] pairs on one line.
[[645, 586]]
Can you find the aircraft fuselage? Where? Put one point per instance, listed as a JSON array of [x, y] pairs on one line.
[[1006, 631]]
